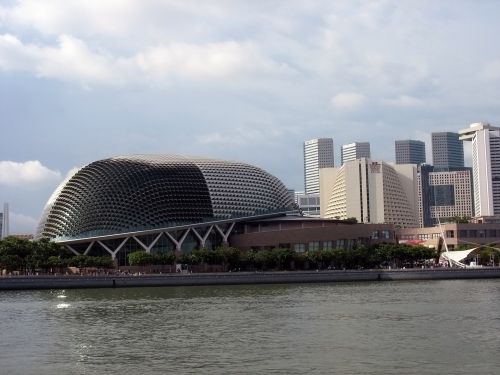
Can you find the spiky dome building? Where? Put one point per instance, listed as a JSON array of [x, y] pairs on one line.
[[143, 192]]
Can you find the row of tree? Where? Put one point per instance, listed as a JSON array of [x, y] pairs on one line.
[[17, 254], [283, 259], [44, 256]]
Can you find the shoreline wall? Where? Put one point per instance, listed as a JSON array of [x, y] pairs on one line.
[[240, 278]]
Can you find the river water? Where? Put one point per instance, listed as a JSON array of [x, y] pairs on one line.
[[428, 327]]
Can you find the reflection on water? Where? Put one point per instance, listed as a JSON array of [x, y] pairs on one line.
[[446, 327]]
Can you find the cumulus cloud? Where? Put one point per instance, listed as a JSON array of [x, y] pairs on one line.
[[72, 59], [27, 174], [53, 17], [347, 100]]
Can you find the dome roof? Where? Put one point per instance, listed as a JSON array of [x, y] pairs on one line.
[[140, 192]]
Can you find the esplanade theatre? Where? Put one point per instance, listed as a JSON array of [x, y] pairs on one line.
[[160, 203]]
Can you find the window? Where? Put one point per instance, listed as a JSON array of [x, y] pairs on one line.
[[313, 245], [299, 247], [327, 245]]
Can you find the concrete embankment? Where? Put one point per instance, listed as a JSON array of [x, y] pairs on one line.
[[68, 282]]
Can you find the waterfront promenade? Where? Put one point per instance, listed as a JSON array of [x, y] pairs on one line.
[[235, 278]]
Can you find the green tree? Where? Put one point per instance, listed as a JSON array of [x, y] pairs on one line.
[[140, 258], [14, 253]]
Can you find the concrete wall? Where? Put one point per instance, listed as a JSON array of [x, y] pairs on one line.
[[236, 278]]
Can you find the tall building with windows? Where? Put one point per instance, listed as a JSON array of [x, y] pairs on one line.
[[485, 167], [308, 203], [355, 150], [410, 151], [370, 191], [318, 153], [444, 194], [447, 150], [4, 218]]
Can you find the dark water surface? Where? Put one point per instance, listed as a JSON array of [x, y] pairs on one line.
[[428, 327]]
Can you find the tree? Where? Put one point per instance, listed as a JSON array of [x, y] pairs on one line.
[[14, 253], [140, 258]]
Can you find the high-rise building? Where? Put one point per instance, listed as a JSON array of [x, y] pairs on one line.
[[410, 151], [485, 167], [308, 203], [370, 191], [318, 153], [447, 150], [353, 151], [444, 194], [5, 221]]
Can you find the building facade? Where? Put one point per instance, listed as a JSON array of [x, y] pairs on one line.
[[447, 150], [4, 225], [309, 204], [410, 151], [485, 167], [307, 234], [444, 194], [318, 153], [353, 151], [158, 203], [371, 192], [456, 235]]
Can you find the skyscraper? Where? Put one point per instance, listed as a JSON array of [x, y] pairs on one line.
[[410, 151], [370, 191], [485, 167], [5, 221], [447, 150], [444, 194], [353, 151], [318, 153]]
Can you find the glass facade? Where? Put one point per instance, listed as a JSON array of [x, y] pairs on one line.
[[141, 192]]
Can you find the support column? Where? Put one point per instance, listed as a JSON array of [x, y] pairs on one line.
[[225, 235]]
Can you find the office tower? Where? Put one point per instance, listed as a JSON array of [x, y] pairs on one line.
[[447, 150], [308, 203], [318, 153], [353, 151], [485, 167], [370, 191], [5, 221], [410, 151], [444, 194]]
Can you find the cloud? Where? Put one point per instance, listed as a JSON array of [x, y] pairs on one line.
[[72, 60], [50, 17], [242, 136], [404, 101], [348, 100], [22, 224], [27, 174], [492, 70]]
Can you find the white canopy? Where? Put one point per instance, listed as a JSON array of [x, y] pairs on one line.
[[457, 256]]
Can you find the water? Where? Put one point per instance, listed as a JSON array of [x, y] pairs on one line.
[[430, 327]]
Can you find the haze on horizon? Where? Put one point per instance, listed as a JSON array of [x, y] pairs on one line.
[[83, 80]]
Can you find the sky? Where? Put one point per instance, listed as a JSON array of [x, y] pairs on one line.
[[82, 80]]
